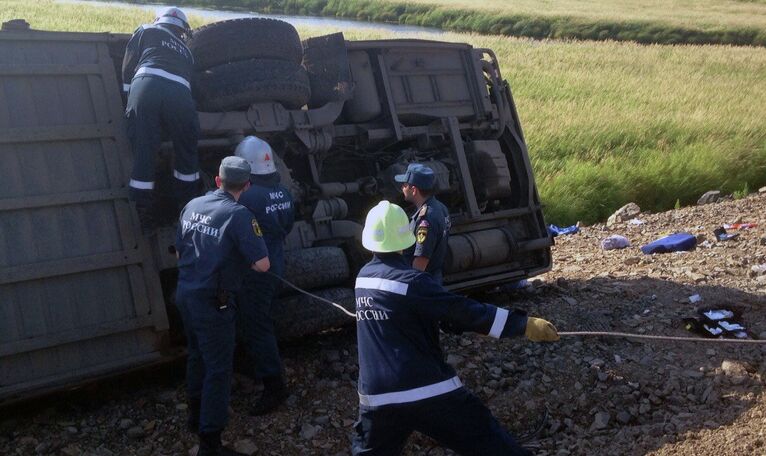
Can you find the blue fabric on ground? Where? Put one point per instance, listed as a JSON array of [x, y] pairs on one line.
[[556, 230], [673, 243]]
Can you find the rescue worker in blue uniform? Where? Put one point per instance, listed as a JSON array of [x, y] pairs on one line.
[[217, 241], [404, 383], [430, 223], [272, 205], [156, 71]]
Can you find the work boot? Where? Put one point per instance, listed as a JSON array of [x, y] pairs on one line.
[[192, 419], [210, 445], [274, 394]]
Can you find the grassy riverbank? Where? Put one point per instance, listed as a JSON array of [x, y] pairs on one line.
[[606, 123], [736, 22]]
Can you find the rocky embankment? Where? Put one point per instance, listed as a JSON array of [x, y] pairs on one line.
[[604, 396]]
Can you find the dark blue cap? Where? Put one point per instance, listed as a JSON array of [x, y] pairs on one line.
[[420, 176]]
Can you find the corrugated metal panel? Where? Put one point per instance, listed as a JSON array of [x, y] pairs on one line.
[[79, 295]]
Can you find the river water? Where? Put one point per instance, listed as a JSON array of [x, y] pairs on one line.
[[331, 24]]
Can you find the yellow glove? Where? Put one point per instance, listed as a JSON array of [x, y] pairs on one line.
[[539, 330]]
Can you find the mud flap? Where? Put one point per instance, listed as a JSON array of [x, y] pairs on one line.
[[326, 61]]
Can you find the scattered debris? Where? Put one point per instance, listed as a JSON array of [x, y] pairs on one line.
[[678, 242], [740, 226], [556, 230], [615, 242], [721, 234]]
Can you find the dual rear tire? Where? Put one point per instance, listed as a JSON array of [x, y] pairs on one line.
[[239, 62]]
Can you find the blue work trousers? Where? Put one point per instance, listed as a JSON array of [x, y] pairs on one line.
[[255, 313], [457, 420], [157, 106], [210, 342]]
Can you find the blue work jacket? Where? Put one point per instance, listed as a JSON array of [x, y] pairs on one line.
[[430, 224], [217, 241], [273, 207], [398, 311], [160, 53]]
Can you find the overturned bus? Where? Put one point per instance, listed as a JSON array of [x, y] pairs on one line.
[[84, 294]]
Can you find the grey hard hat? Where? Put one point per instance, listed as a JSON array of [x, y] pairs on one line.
[[234, 170]]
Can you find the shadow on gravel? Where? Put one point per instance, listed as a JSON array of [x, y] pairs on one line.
[[613, 396], [605, 396]]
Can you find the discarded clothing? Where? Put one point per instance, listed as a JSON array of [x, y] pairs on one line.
[[722, 235], [557, 230], [615, 241], [677, 242]]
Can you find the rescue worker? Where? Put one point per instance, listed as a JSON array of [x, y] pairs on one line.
[[430, 223], [217, 241], [156, 71], [404, 383], [272, 205]]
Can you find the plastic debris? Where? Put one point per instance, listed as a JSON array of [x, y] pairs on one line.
[[636, 222], [615, 241], [695, 298], [718, 314], [677, 242], [740, 226], [730, 326], [714, 330], [557, 230]]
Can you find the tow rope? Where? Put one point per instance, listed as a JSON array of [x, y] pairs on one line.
[[614, 334], [301, 290], [652, 337]]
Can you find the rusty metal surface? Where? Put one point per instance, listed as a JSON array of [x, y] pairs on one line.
[[79, 295]]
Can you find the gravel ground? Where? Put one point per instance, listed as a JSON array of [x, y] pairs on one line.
[[604, 396]]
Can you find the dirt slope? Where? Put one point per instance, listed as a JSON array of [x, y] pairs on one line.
[[604, 396]]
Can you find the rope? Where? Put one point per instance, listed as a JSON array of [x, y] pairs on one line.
[[561, 333], [651, 337], [301, 290]]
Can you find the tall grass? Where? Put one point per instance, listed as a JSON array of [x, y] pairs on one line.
[[646, 21], [606, 122]]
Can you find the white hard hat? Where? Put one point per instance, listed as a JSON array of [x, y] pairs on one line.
[[258, 153], [172, 16]]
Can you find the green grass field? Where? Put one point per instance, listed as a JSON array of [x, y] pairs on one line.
[[737, 22], [606, 123]]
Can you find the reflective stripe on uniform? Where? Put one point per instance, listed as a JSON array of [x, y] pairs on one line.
[[141, 185], [374, 283], [501, 316], [163, 74], [412, 395], [185, 177]]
